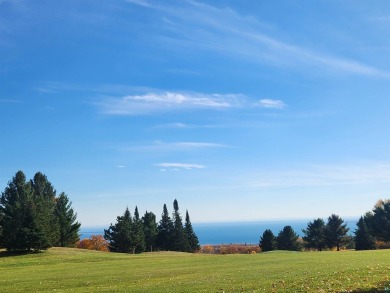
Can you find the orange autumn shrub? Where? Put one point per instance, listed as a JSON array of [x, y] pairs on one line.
[[95, 242], [230, 249]]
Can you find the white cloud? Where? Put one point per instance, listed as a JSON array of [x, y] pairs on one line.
[[151, 103], [274, 104], [174, 125], [174, 146], [225, 31], [168, 101], [179, 166], [198, 145], [180, 125]]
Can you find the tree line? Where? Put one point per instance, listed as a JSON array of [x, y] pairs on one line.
[[33, 217], [373, 230], [132, 234]]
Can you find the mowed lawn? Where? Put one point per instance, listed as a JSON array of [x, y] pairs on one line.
[[75, 270]]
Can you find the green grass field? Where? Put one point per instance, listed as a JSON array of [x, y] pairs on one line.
[[75, 270]]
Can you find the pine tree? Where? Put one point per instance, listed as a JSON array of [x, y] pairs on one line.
[[1, 227], [165, 229], [66, 219], [44, 196], [138, 233], [288, 240], [180, 241], [315, 234], [120, 235], [336, 232], [19, 223], [267, 241], [31, 215], [363, 239], [150, 229], [378, 221], [191, 236]]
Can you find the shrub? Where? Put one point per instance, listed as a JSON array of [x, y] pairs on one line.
[[95, 242]]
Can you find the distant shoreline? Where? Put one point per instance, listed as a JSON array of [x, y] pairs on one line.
[[235, 232]]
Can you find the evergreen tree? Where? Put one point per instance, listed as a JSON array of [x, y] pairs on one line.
[[35, 237], [120, 236], [66, 219], [1, 227], [164, 231], [192, 239], [378, 221], [268, 241], [30, 214], [315, 235], [19, 225], [138, 233], [363, 239], [288, 240], [336, 232], [150, 229], [180, 241], [44, 196]]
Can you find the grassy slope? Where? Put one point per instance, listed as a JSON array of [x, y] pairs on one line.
[[73, 270]]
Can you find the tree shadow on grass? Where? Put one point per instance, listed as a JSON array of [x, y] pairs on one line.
[[5, 253], [380, 288]]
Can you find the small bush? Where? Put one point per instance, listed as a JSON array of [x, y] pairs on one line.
[[95, 242], [230, 249]]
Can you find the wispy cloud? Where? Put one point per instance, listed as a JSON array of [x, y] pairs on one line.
[[323, 175], [97, 89], [274, 104], [179, 166], [9, 101], [180, 125], [196, 25], [140, 2], [150, 101], [156, 102], [168, 101], [174, 146], [198, 144]]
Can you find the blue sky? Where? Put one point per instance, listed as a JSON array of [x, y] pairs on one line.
[[242, 110]]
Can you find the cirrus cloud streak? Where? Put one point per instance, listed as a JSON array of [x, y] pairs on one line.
[[179, 166], [161, 102]]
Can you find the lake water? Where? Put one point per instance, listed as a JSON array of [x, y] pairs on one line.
[[235, 232]]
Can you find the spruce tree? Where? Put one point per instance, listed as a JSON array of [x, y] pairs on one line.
[[378, 221], [363, 239], [66, 220], [180, 241], [44, 196], [1, 228], [19, 224], [150, 230], [336, 232], [138, 233], [267, 241], [288, 240], [315, 235], [191, 236], [164, 231], [31, 215], [120, 236]]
